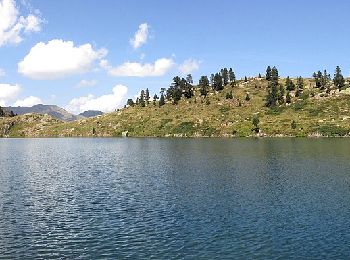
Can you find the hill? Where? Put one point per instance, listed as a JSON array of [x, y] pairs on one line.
[[91, 113], [313, 113], [52, 110]]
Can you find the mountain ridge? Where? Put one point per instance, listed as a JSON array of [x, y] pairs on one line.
[[52, 110]]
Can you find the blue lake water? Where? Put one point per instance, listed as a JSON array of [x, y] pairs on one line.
[[174, 198]]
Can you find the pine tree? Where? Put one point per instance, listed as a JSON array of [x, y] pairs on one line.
[[186, 88], [324, 80], [268, 73], [203, 85], [289, 84], [274, 75], [217, 85], [281, 95], [318, 77], [2, 113], [161, 100], [232, 77], [155, 98], [273, 93], [247, 97], [225, 76], [338, 79], [147, 96], [189, 79], [130, 102], [142, 99], [300, 86], [175, 90], [212, 80]]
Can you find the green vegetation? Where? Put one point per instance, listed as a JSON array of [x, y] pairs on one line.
[[218, 106]]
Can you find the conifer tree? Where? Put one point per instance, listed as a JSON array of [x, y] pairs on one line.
[[300, 86], [325, 80], [130, 102], [225, 76], [274, 75], [147, 96], [232, 77], [212, 80], [272, 94], [289, 84], [281, 95], [142, 99], [155, 98], [268, 73], [189, 79], [217, 85], [338, 79], [161, 100], [203, 85]]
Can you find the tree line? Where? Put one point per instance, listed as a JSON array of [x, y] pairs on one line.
[[184, 88], [278, 93]]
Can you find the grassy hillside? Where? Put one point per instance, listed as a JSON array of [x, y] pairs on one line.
[[314, 113]]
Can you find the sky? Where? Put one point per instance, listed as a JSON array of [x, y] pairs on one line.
[[95, 54]]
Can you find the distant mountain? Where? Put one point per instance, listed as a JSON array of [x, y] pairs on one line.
[[52, 110], [91, 113]]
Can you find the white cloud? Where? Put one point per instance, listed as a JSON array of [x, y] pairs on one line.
[[27, 102], [58, 59], [86, 83], [8, 92], [2, 72], [189, 66], [104, 103], [140, 36], [136, 69], [12, 26]]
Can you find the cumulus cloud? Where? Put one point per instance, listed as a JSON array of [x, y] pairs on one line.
[[189, 66], [8, 92], [136, 69], [86, 83], [105, 103], [27, 102], [12, 26], [140, 36], [58, 59]]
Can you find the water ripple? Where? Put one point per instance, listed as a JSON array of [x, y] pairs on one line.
[[174, 199]]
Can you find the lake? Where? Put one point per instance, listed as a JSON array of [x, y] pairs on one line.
[[174, 198]]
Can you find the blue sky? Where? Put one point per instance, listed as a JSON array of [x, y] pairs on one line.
[[82, 54]]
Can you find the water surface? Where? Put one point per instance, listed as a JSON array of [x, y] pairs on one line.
[[174, 198]]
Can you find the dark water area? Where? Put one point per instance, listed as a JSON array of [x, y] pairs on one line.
[[174, 198]]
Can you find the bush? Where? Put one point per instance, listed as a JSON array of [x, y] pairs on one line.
[[332, 130]]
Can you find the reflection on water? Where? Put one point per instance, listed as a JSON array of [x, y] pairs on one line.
[[174, 198]]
